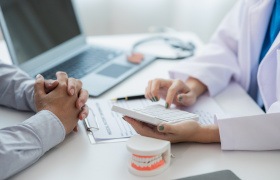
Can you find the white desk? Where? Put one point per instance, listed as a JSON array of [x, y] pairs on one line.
[[76, 158]]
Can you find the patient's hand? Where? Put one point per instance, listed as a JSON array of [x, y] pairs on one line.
[[59, 101], [72, 86]]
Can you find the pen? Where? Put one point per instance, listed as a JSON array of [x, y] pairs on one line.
[[129, 97]]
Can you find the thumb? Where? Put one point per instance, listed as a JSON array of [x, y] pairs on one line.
[[39, 87], [166, 128]]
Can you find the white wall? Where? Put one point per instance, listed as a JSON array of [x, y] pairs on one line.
[[200, 16], [136, 16], [103, 17]]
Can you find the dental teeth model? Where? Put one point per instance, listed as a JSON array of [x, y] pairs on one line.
[[149, 156]]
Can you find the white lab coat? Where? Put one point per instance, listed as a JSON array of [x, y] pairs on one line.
[[233, 54]]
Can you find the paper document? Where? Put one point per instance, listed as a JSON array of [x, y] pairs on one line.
[[108, 126], [206, 107], [111, 124]]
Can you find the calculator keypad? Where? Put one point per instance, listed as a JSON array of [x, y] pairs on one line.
[[169, 115]]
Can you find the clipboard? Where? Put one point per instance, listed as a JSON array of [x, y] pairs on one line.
[[103, 125], [91, 125]]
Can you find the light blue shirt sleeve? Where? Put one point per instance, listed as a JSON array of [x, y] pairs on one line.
[[16, 88], [24, 144]]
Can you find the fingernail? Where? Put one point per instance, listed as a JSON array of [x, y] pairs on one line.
[[72, 91], [83, 116], [152, 99], [180, 98], [166, 105], [156, 98], [123, 118], [161, 128], [39, 76]]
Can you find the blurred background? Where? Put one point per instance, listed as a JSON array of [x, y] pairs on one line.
[[106, 17]]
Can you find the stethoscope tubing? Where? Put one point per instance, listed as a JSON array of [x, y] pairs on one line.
[[180, 45]]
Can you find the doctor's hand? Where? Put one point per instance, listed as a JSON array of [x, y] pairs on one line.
[[184, 131], [175, 91], [73, 85]]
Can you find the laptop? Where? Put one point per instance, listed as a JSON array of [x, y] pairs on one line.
[[45, 36]]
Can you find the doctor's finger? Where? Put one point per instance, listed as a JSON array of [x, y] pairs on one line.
[[148, 94], [176, 87], [143, 129], [157, 85], [186, 99]]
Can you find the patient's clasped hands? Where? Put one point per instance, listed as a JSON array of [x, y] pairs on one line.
[[64, 97]]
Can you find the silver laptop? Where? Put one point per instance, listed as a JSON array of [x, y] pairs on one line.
[[44, 36]]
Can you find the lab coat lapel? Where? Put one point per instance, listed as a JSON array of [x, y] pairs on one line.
[[277, 44], [258, 22], [253, 35], [269, 74]]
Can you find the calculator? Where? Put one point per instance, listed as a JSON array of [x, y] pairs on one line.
[[156, 114]]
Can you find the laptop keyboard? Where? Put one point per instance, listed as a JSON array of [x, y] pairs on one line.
[[84, 63]]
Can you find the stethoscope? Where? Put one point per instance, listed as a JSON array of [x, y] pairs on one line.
[[182, 49]]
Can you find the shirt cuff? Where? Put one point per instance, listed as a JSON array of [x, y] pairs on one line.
[[48, 128], [226, 135]]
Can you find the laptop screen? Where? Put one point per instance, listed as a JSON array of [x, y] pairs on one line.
[[37, 26]]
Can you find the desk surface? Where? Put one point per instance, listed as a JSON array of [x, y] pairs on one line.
[[76, 158]]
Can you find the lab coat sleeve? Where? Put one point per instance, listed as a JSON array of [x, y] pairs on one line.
[[16, 89], [259, 132], [216, 64], [24, 144]]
